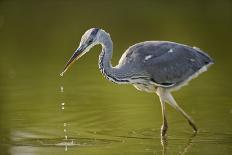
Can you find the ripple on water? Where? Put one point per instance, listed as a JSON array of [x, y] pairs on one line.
[[137, 139], [60, 142]]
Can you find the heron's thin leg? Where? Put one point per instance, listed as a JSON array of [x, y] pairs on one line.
[[164, 127], [174, 104], [161, 93]]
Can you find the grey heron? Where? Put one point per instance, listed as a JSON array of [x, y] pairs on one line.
[[152, 66]]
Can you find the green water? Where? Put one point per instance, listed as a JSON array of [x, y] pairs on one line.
[[99, 117]]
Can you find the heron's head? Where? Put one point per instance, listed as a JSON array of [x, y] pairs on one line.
[[90, 38]]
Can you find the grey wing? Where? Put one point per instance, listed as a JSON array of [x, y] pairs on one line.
[[176, 64], [132, 63], [135, 55]]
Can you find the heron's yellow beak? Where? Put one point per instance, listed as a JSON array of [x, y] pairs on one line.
[[76, 55]]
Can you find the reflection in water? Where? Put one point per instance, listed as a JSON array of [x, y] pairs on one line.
[[187, 145], [23, 142], [164, 143]]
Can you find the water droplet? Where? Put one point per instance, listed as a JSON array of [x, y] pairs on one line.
[[61, 89], [62, 108], [62, 74], [65, 130], [63, 103], [66, 137]]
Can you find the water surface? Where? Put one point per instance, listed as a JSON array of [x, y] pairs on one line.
[[91, 115]]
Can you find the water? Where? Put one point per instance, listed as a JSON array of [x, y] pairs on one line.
[[83, 113]]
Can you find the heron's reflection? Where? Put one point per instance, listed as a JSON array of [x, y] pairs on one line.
[[164, 143]]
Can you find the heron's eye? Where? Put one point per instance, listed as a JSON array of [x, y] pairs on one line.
[[90, 41]]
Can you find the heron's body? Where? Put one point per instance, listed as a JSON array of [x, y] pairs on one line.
[[151, 66], [162, 64]]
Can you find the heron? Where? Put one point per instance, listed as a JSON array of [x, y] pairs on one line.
[[152, 66]]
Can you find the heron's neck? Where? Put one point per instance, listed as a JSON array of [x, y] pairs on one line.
[[105, 66]]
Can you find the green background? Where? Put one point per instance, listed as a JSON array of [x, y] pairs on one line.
[[38, 37]]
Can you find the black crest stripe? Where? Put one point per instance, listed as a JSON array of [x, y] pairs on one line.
[[95, 31]]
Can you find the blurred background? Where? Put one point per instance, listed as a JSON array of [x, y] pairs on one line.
[[83, 113]]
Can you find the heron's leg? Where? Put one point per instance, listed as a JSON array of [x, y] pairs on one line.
[[164, 127], [174, 104]]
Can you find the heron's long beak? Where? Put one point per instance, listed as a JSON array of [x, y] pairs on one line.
[[76, 55]]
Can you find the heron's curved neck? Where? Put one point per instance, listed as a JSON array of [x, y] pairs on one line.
[[105, 66]]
